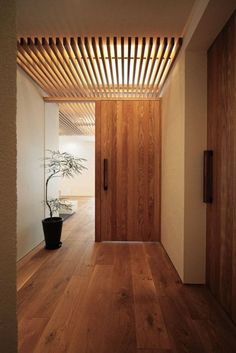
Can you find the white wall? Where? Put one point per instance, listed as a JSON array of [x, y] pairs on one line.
[[172, 187], [30, 171], [184, 130], [34, 133], [83, 184], [184, 116]]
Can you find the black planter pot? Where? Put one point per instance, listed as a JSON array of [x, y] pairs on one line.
[[52, 232]]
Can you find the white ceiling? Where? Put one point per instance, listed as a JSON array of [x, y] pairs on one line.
[[102, 17]]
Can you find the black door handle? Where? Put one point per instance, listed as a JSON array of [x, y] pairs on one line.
[[105, 174], [208, 177]]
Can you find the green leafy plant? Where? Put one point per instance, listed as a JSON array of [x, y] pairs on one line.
[[61, 164]]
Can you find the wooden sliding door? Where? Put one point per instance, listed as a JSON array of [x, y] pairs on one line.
[[128, 170], [221, 213]]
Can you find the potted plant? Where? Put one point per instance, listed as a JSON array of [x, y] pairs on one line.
[[58, 164]]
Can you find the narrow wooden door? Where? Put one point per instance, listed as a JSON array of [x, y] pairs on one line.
[[128, 171]]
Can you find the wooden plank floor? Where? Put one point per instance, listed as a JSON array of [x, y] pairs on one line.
[[113, 298]]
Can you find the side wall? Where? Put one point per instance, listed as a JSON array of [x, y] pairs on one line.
[[183, 142], [172, 167], [83, 184], [195, 144], [30, 171], [8, 328], [37, 130]]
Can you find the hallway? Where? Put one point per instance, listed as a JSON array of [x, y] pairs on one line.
[[113, 298]]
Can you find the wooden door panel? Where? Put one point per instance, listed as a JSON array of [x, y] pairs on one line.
[[221, 214], [130, 140], [108, 151]]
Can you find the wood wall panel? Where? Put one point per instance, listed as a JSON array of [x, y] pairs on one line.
[[221, 214], [130, 140]]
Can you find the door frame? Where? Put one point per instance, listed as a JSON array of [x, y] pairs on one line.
[[98, 172]]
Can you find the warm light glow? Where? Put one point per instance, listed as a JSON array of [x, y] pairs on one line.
[[99, 67]]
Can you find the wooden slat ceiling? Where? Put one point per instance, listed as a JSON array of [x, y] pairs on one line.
[[77, 118], [98, 67]]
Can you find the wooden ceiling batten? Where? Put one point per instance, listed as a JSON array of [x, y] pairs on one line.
[[100, 43], [79, 118], [122, 41], [66, 121], [95, 51], [71, 72], [81, 84], [36, 47], [135, 61], [129, 59], [86, 64], [116, 63], [110, 61], [33, 65], [150, 45], [91, 61], [154, 73], [81, 67], [99, 67]]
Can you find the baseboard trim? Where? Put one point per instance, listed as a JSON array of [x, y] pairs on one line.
[[29, 255]]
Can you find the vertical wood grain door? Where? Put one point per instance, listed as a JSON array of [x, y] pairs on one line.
[[128, 171], [221, 139]]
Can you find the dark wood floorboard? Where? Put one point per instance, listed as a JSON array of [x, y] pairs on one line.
[[91, 297]]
